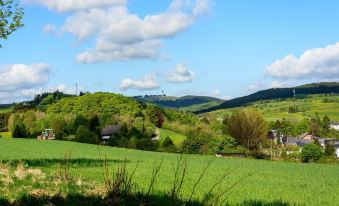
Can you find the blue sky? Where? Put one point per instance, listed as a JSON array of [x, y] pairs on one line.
[[202, 47]]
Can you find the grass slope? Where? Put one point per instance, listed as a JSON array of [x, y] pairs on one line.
[[300, 184], [175, 137], [5, 109], [308, 106]]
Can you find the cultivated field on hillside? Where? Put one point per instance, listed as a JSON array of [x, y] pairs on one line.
[[308, 107], [293, 183]]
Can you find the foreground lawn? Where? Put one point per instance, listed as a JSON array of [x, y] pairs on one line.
[[294, 183]]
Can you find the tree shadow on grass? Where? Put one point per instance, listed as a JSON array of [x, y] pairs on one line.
[[136, 200], [74, 162]]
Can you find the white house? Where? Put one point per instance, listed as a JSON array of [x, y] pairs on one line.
[[334, 125], [337, 152]]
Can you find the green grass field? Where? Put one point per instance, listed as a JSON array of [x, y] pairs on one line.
[[309, 107], [294, 183], [2, 110], [175, 137]]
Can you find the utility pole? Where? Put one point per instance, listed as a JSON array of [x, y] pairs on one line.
[[76, 89]]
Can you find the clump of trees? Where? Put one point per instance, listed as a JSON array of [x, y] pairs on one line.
[[248, 127]]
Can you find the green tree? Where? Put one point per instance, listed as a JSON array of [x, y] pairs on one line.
[[85, 135], [167, 142], [311, 153], [11, 16], [19, 130], [80, 121], [248, 127], [329, 151]]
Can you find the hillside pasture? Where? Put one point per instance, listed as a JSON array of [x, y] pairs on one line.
[[177, 138], [309, 106], [292, 183]]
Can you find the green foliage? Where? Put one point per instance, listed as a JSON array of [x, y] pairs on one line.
[[146, 144], [11, 16], [329, 151], [248, 127], [19, 130], [98, 103], [311, 153], [85, 135], [167, 142], [80, 120]]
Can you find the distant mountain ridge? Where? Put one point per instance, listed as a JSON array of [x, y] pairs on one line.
[[179, 102], [277, 93]]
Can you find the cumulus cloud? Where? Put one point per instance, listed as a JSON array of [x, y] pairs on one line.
[[145, 83], [70, 5], [121, 35], [19, 76], [181, 74], [318, 63], [20, 81]]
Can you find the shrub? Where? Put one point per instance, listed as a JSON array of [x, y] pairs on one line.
[[167, 142], [146, 144], [19, 131], [311, 153], [329, 151], [85, 135]]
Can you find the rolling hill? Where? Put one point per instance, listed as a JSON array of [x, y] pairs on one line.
[[187, 103], [277, 93]]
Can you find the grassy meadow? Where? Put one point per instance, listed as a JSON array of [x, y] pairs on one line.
[[309, 106], [6, 109], [293, 183]]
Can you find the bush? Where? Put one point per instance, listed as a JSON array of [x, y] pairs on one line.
[[19, 131], [84, 135], [329, 151], [167, 142], [311, 153], [146, 144]]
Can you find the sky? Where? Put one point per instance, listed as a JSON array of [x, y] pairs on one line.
[[220, 48]]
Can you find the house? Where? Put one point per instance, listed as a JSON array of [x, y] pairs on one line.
[[110, 130], [334, 125], [294, 141], [308, 136]]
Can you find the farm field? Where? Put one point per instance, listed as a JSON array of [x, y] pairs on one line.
[[293, 183], [6, 109], [309, 106]]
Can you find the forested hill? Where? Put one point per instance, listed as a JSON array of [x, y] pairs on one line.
[[189, 103], [277, 93]]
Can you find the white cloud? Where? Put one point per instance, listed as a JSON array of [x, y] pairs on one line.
[[318, 63], [20, 81], [70, 5], [145, 83], [19, 76], [121, 35], [216, 93], [49, 28], [181, 74]]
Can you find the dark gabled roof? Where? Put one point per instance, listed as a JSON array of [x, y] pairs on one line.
[[296, 141], [110, 130]]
